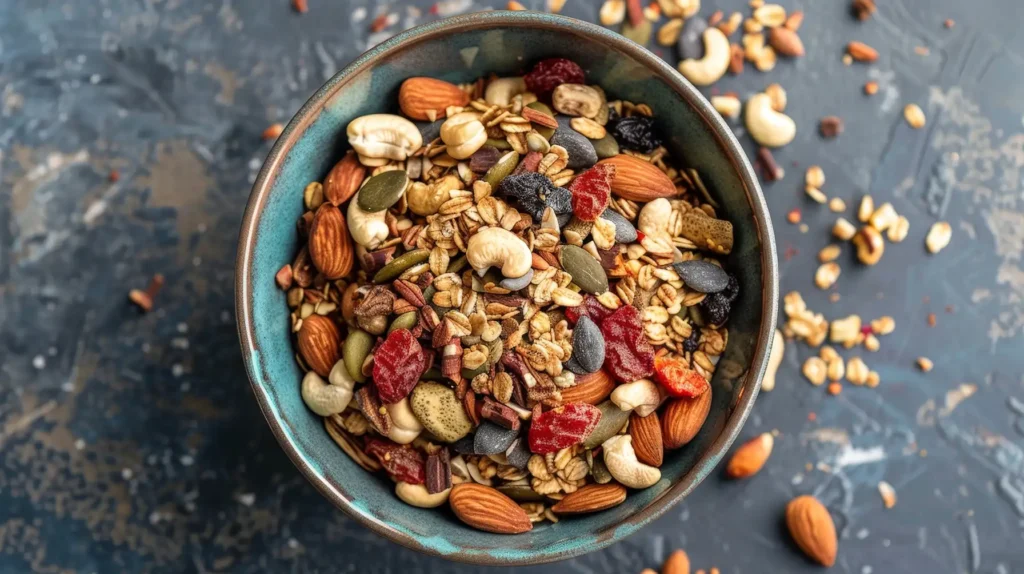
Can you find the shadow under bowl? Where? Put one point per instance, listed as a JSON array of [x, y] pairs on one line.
[[458, 50]]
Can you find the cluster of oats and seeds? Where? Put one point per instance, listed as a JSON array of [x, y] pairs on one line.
[[508, 285]]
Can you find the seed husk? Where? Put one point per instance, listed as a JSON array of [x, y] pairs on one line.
[[399, 264]]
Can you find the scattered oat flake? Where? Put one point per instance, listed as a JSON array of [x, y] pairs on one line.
[[888, 494], [273, 131], [925, 364], [914, 115], [871, 88], [931, 319]]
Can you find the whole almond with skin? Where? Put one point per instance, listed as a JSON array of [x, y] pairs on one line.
[[786, 42], [485, 508], [319, 344], [812, 529], [592, 389], [676, 563], [421, 98], [683, 418], [638, 180], [861, 52], [591, 498], [330, 245], [344, 179], [750, 456], [647, 441]]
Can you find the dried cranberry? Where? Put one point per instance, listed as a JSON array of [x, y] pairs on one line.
[[591, 191], [397, 365], [678, 378], [562, 427], [636, 133], [403, 462], [591, 307], [551, 73], [628, 354]]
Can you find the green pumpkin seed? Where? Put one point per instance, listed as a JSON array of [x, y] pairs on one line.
[[600, 472], [611, 422], [501, 144], [357, 346], [585, 270], [537, 143], [457, 265], [502, 169], [470, 373], [432, 374], [405, 321], [382, 190], [606, 147], [521, 493], [399, 264], [495, 349]]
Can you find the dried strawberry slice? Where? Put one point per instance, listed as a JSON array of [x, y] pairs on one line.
[[397, 366], [403, 462], [551, 73], [591, 307], [591, 191], [628, 354], [562, 427], [678, 379]]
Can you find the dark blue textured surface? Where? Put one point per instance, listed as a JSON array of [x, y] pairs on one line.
[[131, 443]]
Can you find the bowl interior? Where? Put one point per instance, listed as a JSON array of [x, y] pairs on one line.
[[468, 48]]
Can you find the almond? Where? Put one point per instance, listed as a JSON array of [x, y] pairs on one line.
[[344, 179], [750, 456], [319, 343], [591, 498], [592, 389], [677, 563], [539, 117], [683, 418], [638, 180], [428, 98], [485, 508], [330, 245], [812, 529], [786, 42], [861, 52], [647, 442]]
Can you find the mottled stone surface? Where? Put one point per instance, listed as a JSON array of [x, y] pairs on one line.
[[131, 443]]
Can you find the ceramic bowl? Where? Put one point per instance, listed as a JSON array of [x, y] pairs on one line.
[[462, 49]]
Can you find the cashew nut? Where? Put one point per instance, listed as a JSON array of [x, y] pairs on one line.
[[405, 427], [712, 66], [774, 359], [577, 100], [463, 134], [367, 228], [497, 246], [322, 398], [641, 396], [656, 218], [424, 199], [380, 136], [501, 91], [620, 458], [767, 126], [417, 495]]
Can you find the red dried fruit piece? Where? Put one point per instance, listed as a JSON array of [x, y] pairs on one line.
[[403, 462], [530, 162], [591, 191], [678, 379], [628, 354], [591, 307], [397, 366], [562, 427], [551, 73]]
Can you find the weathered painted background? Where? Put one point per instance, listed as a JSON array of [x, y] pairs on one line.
[[131, 442]]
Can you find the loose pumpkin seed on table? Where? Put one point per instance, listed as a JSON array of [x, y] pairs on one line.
[[489, 299]]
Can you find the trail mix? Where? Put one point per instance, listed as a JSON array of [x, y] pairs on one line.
[[507, 299]]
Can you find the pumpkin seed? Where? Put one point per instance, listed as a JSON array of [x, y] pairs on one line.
[[502, 169], [501, 144], [357, 346], [585, 270], [606, 147], [611, 422], [399, 264], [382, 190], [404, 321], [457, 265]]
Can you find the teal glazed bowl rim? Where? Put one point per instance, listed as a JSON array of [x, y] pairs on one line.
[[295, 131]]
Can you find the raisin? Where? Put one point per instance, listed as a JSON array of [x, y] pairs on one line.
[[636, 133], [551, 73], [533, 192], [716, 306], [693, 341], [591, 191], [562, 427], [397, 365], [403, 462]]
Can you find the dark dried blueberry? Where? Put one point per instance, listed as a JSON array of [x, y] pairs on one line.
[[636, 133], [732, 290], [716, 307], [533, 192], [692, 342]]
